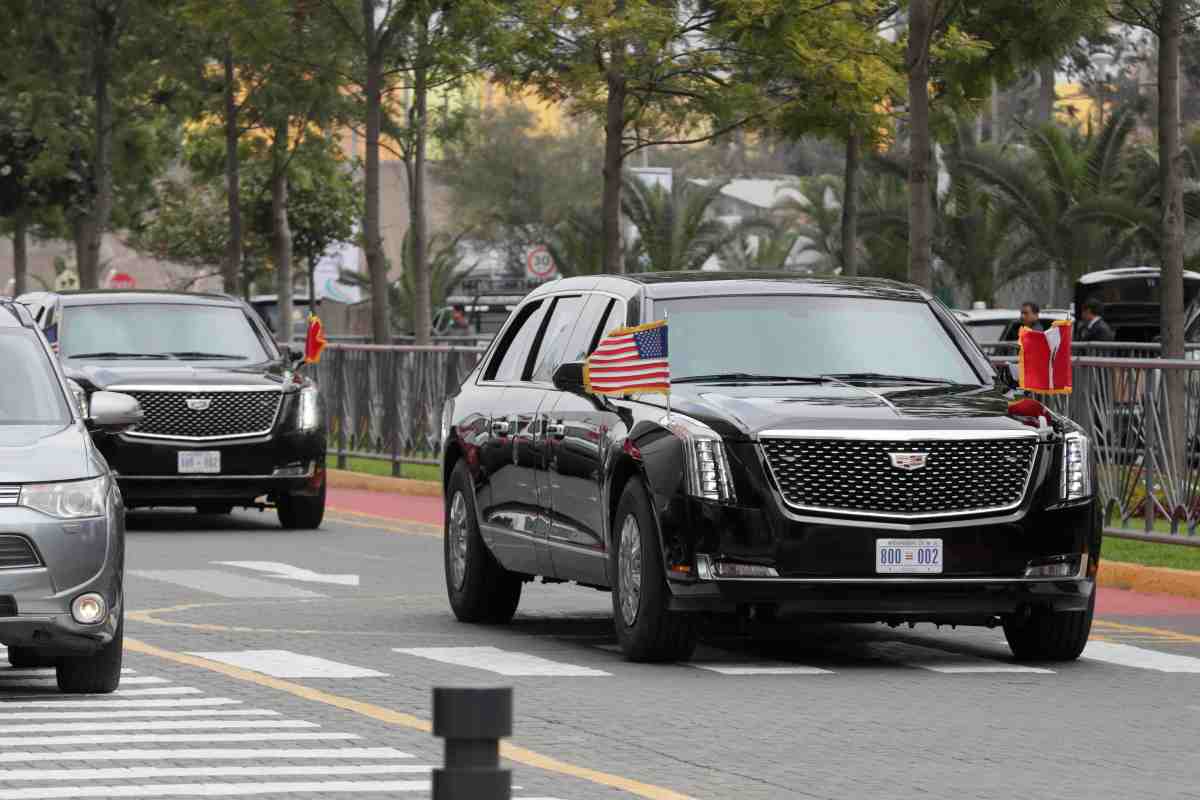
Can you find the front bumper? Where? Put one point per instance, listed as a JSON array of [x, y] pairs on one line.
[[77, 557]]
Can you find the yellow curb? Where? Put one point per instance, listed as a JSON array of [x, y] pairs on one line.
[[1151, 580], [358, 481], [512, 752]]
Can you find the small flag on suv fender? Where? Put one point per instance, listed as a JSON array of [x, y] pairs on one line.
[[1044, 362], [314, 342], [630, 361]]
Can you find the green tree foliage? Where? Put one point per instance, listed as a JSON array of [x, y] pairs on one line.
[[676, 230]]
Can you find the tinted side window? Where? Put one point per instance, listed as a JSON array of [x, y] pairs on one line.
[[509, 359], [614, 318], [580, 343], [563, 319]]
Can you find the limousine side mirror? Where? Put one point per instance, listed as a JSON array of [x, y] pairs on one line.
[[569, 377], [113, 412]]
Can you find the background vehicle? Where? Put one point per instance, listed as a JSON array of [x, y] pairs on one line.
[[874, 474], [229, 421], [62, 550], [1131, 299], [992, 325]]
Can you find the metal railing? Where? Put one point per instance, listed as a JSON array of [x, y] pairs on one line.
[[1106, 349], [1142, 414]]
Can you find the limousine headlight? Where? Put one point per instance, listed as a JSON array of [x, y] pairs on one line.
[[1076, 472], [310, 409], [706, 465], [70, 500]]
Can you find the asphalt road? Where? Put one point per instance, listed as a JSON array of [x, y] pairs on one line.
[[285, 664]]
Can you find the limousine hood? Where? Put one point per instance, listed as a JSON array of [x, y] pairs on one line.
[[137, 372], [743, 410]]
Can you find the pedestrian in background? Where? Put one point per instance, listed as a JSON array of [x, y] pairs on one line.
[[1094, 328], [1031, 316]]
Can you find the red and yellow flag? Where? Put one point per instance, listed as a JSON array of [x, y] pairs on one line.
[[314, 342], [1044, 363]]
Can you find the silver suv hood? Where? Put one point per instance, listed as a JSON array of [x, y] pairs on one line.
[[43, 453]]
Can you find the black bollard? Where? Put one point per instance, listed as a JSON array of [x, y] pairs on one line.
[[472, 721]]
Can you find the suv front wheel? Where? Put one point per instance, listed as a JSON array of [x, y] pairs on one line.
[[302, 512], [1050, 635], [98, 673]]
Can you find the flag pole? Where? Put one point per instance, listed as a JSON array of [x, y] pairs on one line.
[[667, 325]]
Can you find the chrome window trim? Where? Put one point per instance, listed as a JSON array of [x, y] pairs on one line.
[[135, 434], [905, 435]]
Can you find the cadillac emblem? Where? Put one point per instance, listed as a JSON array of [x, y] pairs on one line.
[[909, 461], [199, 403]]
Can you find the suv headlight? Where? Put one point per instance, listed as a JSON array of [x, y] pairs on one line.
[[71, 500], [1076, 467], [706, 465], [309, 417]]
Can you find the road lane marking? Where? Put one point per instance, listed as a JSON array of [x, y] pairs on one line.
[[213, 789], [178, 738], [389, 524], [139, 713], [760, 669], [258, 770], [278, 569], [41, 673], [1164, 633], [8, 679], [59, 702], [157, 690], [209, 754], [1126, 655], [514, 753], [502, 662], [225, 584], [286, 664], [161, 725], [947, 662]]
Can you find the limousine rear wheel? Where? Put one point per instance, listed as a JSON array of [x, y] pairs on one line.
[[646, 629], [1050, 635], [480, 590]]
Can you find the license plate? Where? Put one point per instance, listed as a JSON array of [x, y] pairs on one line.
[[906, 556], [202, 462]]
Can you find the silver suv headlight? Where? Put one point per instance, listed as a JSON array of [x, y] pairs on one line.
[[1076, 467], [706, 464], [70, 500], [309, 417]]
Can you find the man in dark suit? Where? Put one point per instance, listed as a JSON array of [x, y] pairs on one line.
[[1093, 328], [1031, 316]]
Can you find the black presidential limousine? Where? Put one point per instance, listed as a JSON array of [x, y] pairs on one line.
[[833, 448]]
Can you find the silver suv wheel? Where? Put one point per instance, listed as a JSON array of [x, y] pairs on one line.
[[629, 561], [458, 540]]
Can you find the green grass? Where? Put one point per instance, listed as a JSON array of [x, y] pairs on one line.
[[370, 466], [1152, 554]]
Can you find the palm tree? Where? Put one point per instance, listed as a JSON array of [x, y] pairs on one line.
[[675, 229], [574, 245], [816, 222], [766, 247]]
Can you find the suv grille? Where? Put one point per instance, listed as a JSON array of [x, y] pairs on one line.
[[960, 475], [16, 552], [10, 495], [228, 413]]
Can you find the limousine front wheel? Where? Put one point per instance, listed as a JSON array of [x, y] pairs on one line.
[[480, 590], [646, 629], [1050, 635]]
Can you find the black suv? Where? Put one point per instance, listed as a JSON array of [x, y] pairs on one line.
[[228, 419], [838, 448]]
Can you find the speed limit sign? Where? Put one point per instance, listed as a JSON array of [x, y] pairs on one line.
[[539, 263]]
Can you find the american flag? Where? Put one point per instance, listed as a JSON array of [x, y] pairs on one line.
[[630, 361]]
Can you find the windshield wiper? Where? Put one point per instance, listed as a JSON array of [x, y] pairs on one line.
[[883, 376], [196, 355], [747, 376], [114, 354]]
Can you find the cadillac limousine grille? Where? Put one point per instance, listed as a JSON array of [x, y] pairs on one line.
[[213, 414], [901, 478], [16, 552]]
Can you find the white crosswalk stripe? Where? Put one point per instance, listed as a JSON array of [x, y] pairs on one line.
[[213, 789], [176, 738], [8, 681], [760, 669], [1127, 655], [137, 713], [947, 662], [224, 771], [502, 662], [286, 664], [59, 702], [208, 754], [158, 725]]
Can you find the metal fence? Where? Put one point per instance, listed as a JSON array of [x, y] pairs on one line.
[[1105, 349], [384, 403]]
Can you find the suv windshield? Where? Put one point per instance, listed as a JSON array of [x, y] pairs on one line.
[[165, 330], [30, 393], [809, 336]]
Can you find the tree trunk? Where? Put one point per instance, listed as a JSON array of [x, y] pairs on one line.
[[231, 274], [1171, 179], [376, 263], [281, 232], [920, 212], [1044, 111], [102, 171], [850, 205], [997, 126], [423, 321], [614, 159], [20, 253]]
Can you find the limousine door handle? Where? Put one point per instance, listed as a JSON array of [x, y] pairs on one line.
[[556, 429]]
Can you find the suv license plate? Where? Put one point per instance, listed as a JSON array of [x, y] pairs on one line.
[[903, 556], [203, 462]]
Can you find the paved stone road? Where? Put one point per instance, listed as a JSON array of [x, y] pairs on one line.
[[283, 664]]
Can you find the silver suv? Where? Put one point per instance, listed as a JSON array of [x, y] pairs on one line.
[[62, 523]]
